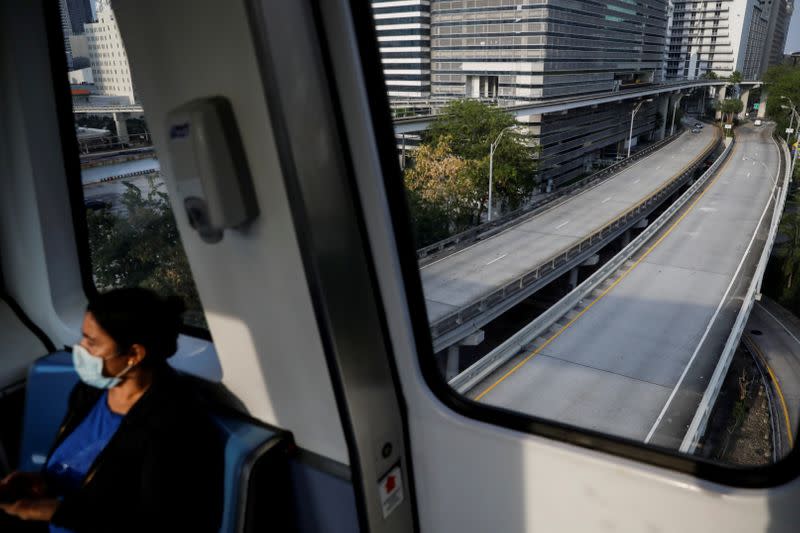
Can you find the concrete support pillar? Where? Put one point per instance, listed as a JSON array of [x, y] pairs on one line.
[[573, 278], [453, 353], [626, 238], [720, 97], [674, 103], [663, 110], [592, 261], [744, 98], [122, 127], [452, 362], [762, 105]]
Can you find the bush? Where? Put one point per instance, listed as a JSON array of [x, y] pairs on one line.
[[142, 248]]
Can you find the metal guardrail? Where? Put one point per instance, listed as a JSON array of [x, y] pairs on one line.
[[123, 176], [443, 328], [515, 217], [700, 421], [478, 371], [97, 108]]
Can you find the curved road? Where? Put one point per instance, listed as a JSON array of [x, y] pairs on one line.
[[463, 277], [632, 364]]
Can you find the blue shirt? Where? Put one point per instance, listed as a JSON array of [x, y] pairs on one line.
[[71, 461]]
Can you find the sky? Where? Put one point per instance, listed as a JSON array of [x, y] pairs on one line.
[[793, 40]]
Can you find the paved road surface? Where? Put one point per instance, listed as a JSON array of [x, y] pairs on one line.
[[614, 368], [465, 276]]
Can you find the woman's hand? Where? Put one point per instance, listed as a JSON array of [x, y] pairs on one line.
[[42, 509], [18, 485]]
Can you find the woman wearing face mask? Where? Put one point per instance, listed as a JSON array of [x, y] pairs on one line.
[[135, 451]]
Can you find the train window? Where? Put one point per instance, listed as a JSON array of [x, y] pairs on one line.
[[591, 247], [133, 239]]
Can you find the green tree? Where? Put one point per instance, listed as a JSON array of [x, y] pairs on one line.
[[709, 75], [142, 248], [735, 78], [789, 253], [471, 127], [445, 183], [729, 108], [783, 85]]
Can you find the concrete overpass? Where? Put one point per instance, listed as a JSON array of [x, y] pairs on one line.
[[469, 288], [638, 358], [555, 105]]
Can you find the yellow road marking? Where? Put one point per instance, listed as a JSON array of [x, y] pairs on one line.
[[777, 383], [616, 282]]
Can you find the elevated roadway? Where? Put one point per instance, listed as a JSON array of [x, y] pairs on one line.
[[635, 361], [557, 105], [456, 282], [773, 334]]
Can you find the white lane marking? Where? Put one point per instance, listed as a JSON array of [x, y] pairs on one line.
[[637, 181], [607, 199], [779, 323], [754, 162], [496, 259], [748, 174], [710, 322], [562, 224]]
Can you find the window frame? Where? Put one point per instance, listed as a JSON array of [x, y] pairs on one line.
[[70, 156], [764, 476]]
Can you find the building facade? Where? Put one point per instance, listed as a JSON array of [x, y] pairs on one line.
[[80, 13], [107, 57], [777, 33], [723, 36], [66, 28], [514, 52], [531, 49], [404, 39]]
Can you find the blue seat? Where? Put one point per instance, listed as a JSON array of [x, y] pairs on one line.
[[50, 381]]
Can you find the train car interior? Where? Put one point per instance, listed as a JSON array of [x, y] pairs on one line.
[[288, 235]]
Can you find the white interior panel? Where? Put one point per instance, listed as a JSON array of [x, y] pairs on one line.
[[252, 284]]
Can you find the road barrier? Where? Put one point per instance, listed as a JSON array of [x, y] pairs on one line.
[[700, 420]]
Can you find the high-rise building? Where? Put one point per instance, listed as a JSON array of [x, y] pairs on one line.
[[107, 57], [80, 13], [723, 36], [66, 27], [777, 33], [403, 29], [515, 52]]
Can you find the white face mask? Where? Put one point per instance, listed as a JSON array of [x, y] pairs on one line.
[[90, 369]]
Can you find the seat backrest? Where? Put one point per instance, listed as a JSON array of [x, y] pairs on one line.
[[50, 381], [247, 444]]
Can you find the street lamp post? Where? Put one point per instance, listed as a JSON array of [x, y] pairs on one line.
[[492, 148], [630, 132]]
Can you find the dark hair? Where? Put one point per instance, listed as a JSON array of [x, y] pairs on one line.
[[140, 316]]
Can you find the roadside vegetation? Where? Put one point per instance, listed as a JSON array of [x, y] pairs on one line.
[[141, 247], [447, 181]]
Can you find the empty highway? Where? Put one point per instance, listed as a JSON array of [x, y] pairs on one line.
[[631, 364], [465, 276]]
